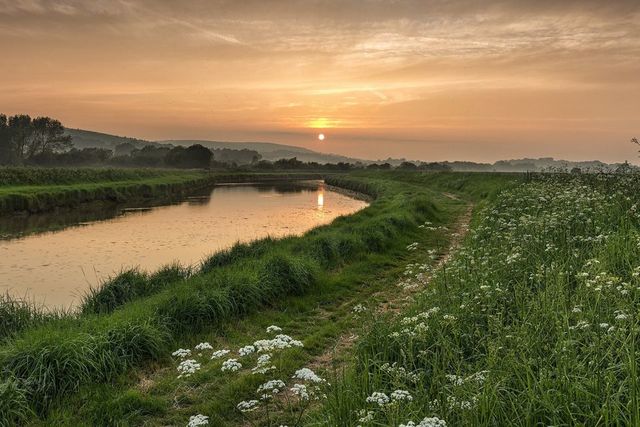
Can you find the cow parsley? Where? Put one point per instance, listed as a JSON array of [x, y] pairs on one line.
[[379, 398], [247, 405], [231, 365], [188, 367], [181, 353], [218, 354], [307, 374], [198, 420], [246, 350]]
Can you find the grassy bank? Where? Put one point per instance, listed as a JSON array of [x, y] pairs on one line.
[[534, 322], [34, 190], [132, 329]]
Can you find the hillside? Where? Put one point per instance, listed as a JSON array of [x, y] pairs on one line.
[[272, 151], [268, 151]]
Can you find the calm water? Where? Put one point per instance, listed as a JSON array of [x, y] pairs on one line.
[[56, 268]]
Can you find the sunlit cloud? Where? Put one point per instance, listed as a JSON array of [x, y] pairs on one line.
[[531, 77]]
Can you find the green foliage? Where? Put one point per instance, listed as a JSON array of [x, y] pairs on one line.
[[19, 315], [57, 176], [14, 407], [534, 322], [61, 357], [90, 185]]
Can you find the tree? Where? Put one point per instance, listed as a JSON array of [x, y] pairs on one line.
[[194, 156], [20, 131], [47, 137], [6, 149], [408, 166], [23, 139]]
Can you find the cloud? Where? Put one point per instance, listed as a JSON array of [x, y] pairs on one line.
[[394, 68]]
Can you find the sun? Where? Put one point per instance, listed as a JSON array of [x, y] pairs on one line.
[[321, 137]]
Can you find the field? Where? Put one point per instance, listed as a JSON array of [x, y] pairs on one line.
[[394, 316]]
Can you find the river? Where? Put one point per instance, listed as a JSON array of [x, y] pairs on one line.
[[52, 260]]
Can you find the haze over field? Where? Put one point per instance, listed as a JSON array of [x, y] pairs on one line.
[[429, 80]]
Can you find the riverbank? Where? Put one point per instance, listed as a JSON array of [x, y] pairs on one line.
[[37, 190], [98, 355]]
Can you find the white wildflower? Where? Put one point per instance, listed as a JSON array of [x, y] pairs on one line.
[[181, 353], [263, 365], [231, 365], [188, 367], [301, 391], [273, 329], [218, 354], [307, 374], [365, 416], [401, 395], [198, 420], [204, 346], [248, 405], [359, 308], [379, 398], [270, 388], [246, 350]]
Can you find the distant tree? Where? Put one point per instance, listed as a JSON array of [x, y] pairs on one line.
[[435, 167], [576, 170], [292, 163], [407, 166], [22, 139], [6, 148], [194, 156], [624, 168], [124, 149], [47, 136], [20, 131], [150, 155]]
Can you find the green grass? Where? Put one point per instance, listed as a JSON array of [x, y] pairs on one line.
[[18, 176], [35, 190], [37, 195], [139, 325], [534, 322]]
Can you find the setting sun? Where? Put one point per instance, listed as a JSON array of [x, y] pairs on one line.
[[321, 137]]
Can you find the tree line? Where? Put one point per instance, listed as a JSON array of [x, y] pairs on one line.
[[42, 141], [23, 139]]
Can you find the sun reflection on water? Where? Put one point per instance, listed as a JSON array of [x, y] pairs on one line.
[[320, 198]]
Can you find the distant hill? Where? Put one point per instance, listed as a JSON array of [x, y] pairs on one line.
[[268, 151], [271, 151], [87, 139]]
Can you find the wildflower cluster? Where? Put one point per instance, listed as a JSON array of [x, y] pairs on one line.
[[546, 282], [257, 358]]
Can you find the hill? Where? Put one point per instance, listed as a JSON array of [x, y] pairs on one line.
[[268, 150]]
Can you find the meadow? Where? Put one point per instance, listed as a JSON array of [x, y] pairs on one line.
[[534, 321], [394, 316], [68, 369]]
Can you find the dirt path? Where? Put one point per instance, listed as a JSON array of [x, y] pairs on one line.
[[396, 298]]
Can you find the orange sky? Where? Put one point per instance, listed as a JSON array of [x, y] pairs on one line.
[[428, 80]]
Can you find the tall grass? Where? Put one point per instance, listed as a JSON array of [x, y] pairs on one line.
[[17, 315], [58, 176], [129, 285], [535, 321]]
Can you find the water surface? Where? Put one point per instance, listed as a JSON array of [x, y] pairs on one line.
[[57, 267]]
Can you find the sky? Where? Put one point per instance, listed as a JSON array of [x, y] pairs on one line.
[[426, 80]]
